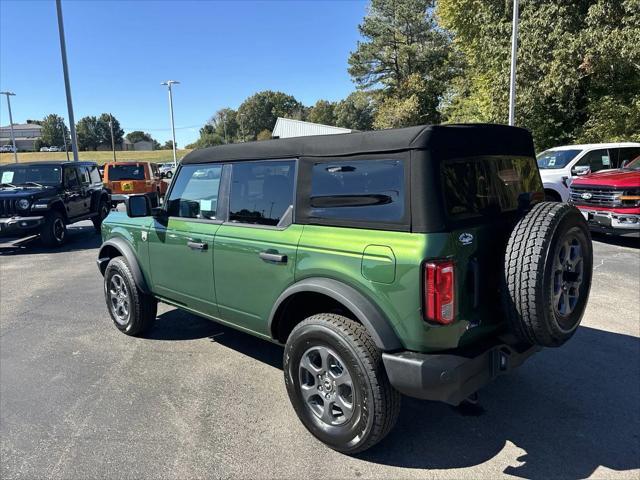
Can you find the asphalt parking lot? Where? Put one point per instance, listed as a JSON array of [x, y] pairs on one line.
[[193, 399]]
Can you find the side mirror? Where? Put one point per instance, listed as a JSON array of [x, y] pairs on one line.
[[581, 170], [138, 206]]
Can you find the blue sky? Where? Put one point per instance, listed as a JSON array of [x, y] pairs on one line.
[[221, 51]]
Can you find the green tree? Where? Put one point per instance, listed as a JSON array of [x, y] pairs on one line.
[[54, 131], [86, 131], [260, 111], [402, 45], [323, 112], [264, 135], [225, 124], [168, 145], [103, 130], [578, 77], [355, 112], [138, 136]]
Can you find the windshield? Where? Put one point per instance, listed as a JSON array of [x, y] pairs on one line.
[[31, 174], [555, 159], [633, 164], [126, 172]]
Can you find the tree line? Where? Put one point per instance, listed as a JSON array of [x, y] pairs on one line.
[[92, 133], [428, 61]]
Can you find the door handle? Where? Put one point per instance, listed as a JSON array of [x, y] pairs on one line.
[[193, 245], [273, 256]]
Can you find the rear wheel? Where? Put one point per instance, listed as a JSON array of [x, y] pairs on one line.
[[103, 211], [132, 311], [548, 269], [54, 231], [337, 383]]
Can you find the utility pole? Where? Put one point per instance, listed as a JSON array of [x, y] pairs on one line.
[[113, 142], [13, 138], [514, 54], [169, 84], [67, 86]]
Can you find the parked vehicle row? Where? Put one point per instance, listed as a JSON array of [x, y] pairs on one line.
[[45, 197], [7, 148], [420, 261]]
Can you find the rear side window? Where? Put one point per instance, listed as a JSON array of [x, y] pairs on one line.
[[626, 155], [596, 160], [485, 186], [359, 190], [261, 192], [195, 192]]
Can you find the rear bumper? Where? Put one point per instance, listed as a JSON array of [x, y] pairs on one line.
[[451, 378], [19, 225]]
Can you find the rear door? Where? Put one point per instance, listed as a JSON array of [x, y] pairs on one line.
[[255, 250], [181, 249]]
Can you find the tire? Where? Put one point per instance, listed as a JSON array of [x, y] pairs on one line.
[[547, 271], [54, 231], [103, 211], [345, 347], [132, 311], [168, 175]]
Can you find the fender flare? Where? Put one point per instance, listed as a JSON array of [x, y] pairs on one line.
[[364, 309], [125, 250]]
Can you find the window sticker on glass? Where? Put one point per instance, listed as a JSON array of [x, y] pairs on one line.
[[207, 205], [7, 177], [606, 160], [551, 162]]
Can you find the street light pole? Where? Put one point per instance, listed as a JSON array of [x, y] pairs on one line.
[[67, 86], [113, 143], [514, 54], [13, 138], [169, 84]]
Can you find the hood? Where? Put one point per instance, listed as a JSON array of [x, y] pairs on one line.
[[612, 178], [23, 192]]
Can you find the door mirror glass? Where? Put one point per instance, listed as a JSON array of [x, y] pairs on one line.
[[580, 170], [138, 206]]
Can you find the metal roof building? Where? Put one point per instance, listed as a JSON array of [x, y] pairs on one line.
[[287, 128]]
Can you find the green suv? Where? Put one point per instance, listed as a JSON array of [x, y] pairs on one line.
[[419, 261]]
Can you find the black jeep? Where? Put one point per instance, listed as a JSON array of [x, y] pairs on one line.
[[44, 197]]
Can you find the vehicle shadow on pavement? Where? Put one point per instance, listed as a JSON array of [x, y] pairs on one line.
[[78, 238], [567, 411], [629, 242]]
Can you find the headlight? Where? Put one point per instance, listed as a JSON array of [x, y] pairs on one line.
[[23, 204]]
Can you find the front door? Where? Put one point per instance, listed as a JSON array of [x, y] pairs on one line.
[[255, 250], [181, 248], [73, 198]]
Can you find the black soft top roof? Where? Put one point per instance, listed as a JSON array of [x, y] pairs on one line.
[[450, 141]]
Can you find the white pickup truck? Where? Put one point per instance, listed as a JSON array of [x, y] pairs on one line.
[[559, 164]]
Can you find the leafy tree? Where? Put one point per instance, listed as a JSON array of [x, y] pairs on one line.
[[225, 124], [578, 77], [323, 112], [138, 136], [206, 140], [86, 131], [264, 135], [103, 130], [54, 131], [168, 145], [260, 111], [403, 45], [355, 112]]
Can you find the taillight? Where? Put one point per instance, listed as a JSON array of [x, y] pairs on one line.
[[439, 291]]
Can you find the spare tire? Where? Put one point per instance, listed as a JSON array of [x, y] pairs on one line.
[[548, 266]]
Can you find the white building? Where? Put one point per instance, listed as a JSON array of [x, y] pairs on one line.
[[25, 134], [287, 128]]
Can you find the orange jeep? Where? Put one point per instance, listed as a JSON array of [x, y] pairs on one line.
[[128, 178]]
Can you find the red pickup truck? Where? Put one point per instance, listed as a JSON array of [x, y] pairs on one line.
[[610, 200]]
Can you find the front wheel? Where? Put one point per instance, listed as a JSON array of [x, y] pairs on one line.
[[337, 384], [54, 230]]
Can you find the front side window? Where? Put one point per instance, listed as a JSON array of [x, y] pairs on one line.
[[195, 192], [596, 160], [261, 192], [83, 174], [486, 186], [70, 178], [126, 172], [359, 190], [94, 173]]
